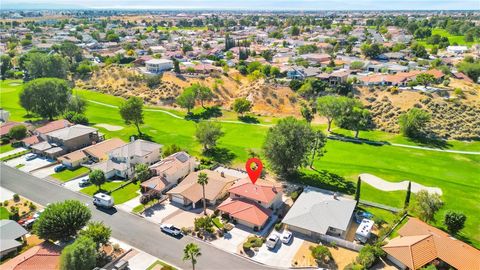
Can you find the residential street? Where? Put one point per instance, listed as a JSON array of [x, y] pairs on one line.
[[126, 227]]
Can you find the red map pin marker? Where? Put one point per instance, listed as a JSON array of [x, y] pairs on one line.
[[254, 173]]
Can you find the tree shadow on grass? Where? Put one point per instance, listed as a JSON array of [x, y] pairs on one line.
[[207, 113], [249, 119], [220, 155], [323, 179], [143, 136], [430, 141], [345, 138]]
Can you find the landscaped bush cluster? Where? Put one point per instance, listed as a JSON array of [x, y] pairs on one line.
[[253, 242]]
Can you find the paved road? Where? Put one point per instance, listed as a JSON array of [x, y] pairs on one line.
[[126, 227]]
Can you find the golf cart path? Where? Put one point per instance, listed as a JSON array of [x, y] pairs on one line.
[[383, 185], [267, 125]]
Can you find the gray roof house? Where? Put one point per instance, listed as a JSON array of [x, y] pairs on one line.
[[10, 232], [320, 212]]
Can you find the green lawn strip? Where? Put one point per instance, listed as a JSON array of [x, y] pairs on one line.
[[12, 156], [19, 166], [119, 196], [392, 198], [164, 266], [385, 215], [217, 222], [6, 148], [4, 214], [67, 174]]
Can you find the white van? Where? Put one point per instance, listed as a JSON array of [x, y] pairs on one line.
[[103, 200]]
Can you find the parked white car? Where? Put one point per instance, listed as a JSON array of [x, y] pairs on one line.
[[272, 241], [103, 200], [170, 229], [30, 156], [287, 237]]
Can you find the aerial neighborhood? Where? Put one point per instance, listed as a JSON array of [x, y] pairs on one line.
[[191, 139]]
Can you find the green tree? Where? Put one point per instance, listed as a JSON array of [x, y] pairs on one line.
[[287, 145], [426, 205], [203, 180], [371, 50], [413, 122], [18, 132], [330, 107], [77, 104], [171, 149], [132, 112], [187, 99], [203, 93], [356, 65], [455, 221], [40, 65], [80, 255], [470, 68], [190, 253], [98, 232], [208, 133], [242, 105], [71, 51], [425, 79], [359, 188], [355, 118], [307, 113], [142, 172], [46, 97], [5, 64], [97, 177], [62, 220]]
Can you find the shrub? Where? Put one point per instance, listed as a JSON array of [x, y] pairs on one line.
[[145, 198], [80, 119], [321, 253], [16, 197], [5, 203], [278, 226]]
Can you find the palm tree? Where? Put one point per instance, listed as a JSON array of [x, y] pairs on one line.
[[203, 180], [191, 252]]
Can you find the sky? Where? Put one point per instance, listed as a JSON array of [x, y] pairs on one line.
[[252, 4]]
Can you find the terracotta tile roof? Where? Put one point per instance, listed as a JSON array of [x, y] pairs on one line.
[[5, 128], [420, 243], [100, 150], [157, 183], [31, 140], [189, 188], [45, 256], [262, 190], [436, 73], [248, 211], [52, 126], [73, 156]]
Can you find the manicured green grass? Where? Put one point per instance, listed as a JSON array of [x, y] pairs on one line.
[[119, 196], [67, 174], [19, 166], [217, 222], [4, 214], [456, 174], [6, 147], [460, 40], [160, 263], [12, 156]]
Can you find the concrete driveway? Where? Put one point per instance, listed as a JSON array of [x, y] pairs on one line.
[[129, 205], [29, 165], [231, 240], [73, 184], [186, 218], [161, 212], [282, 255], [42, 173]]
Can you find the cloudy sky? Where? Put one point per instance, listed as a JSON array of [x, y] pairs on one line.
[[255, 4]]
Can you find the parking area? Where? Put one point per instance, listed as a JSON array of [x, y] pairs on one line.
[[186, 218], [74, 184], [29, 165], [282, 255]]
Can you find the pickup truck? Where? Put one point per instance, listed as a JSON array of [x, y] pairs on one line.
[[170, 229]]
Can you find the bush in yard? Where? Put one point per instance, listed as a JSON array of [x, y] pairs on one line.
[[18, 132], [321, 253], [98, 232], [145, 198], [368, 255], [454, 221], [142, 172], [354, 266], [16, 197], [97, 177], [79, 119], [62, 220], [80, 255], [278, 226]]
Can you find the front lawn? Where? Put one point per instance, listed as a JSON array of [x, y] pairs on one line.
[[162, 265], [4, 214], [6, 147], [119, 196], [68, 174]]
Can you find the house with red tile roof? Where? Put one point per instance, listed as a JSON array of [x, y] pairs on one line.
[[420, 244], [45, 256], [5, 127], [251, 204], [51, 126]]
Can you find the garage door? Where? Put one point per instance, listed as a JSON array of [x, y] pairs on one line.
[[177, 199]]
